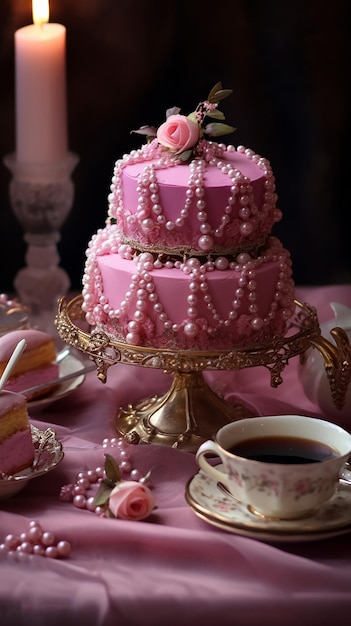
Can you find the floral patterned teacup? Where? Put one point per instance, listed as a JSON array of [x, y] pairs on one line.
[[281, 466]]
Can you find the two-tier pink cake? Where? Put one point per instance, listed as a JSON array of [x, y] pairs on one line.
[[186, 259]]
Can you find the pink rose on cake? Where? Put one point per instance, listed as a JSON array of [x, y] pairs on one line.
[[181, 134], [131, 500], [178, 133]]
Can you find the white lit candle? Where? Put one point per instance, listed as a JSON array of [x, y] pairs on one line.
[[40, 77]]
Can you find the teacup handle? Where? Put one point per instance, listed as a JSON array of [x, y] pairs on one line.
[[206, 447]]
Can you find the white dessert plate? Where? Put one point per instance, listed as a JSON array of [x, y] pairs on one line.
[[212, 505], [69, 365], [48, 454]]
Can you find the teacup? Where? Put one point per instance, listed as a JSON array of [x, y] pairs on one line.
[[281, 466]]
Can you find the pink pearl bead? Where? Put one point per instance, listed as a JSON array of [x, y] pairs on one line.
[[133, 326], [246, 228], [136, 474], [205, 243], [84, 482], [25, 547], [51, 552], [99, 511], [90, 504], [122, 443], [133, 339], [221, 263], [100, 472], [78, 490], [124, 453], [64, 548], [48, 538], [243, 258], [193, 263], [34, 524], [80, 501], [92, 476], [38, 549], [35, 533], [191, 329], [257, 323], [125, 466], [12, 541]]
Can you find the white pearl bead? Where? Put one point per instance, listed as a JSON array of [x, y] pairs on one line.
[[191, 329], [205, 243]]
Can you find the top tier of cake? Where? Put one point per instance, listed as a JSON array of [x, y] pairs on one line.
[[221, 203]]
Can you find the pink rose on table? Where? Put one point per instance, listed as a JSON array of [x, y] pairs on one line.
[[131, 500], [178, 133]]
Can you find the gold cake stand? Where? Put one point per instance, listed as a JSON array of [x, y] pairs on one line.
[[190, 411]]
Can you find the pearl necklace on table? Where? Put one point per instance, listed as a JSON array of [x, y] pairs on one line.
[[77, 492], [35, 541], [38, 542]]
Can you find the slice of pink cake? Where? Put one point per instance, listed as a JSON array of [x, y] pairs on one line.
[[16, 445], [37, 363]]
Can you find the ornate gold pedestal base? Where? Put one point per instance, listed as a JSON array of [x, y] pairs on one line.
[[188, 414], [190, 411]]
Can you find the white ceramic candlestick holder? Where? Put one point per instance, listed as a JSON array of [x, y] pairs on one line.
[[41, 197]]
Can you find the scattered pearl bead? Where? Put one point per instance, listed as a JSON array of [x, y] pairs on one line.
[[51, 552], [35, 542], [48, 538], [63, 548]]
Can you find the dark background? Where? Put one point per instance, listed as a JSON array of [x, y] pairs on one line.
[[288, 63]]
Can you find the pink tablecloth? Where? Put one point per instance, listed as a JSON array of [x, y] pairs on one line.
[[173, 568]]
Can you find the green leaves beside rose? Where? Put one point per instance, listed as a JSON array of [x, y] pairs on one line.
[[180, 134], [123, 499]]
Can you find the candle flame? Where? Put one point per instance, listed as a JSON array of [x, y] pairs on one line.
[[40, 11]]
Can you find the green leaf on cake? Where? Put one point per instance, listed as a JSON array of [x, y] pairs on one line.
[[185, 156], [215, 114], [223, 93], [211, 95], [172, 111], [148, 131], [217, 93], [215, 130]]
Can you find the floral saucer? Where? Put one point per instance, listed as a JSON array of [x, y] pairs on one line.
[[48, 454], [211, 504]]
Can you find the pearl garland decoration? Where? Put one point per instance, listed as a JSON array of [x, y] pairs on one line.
[[35, 541], [149, 224], [143, 297], [140, 311], [78, 493]]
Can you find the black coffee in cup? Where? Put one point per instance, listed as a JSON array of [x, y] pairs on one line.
[[286, 450]]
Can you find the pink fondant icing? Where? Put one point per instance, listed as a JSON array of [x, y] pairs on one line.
[[16, 452], [34, 377], [154, 306], [186, 259], [239, 200], [17, 449], [8, 342], [9, 401]]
